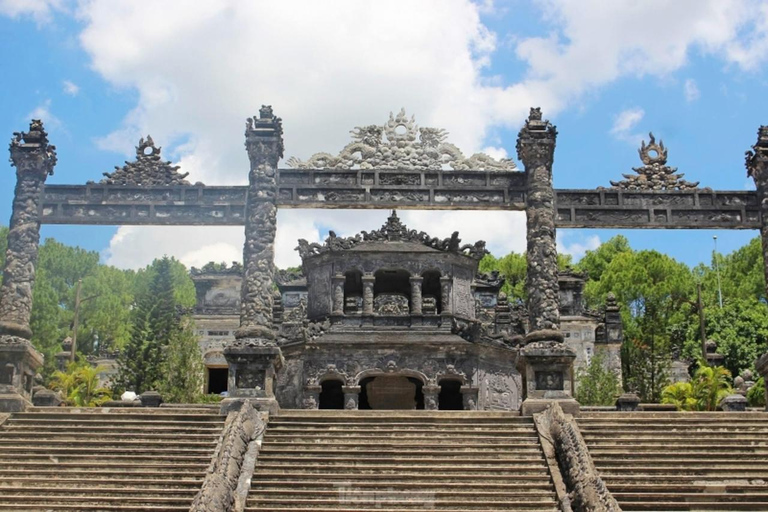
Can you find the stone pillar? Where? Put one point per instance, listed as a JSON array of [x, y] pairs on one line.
[[536, 149], [368, 281], [446, 288], [312, 397], [351, 397], [469, 398], [431, 397], [34, 160], [416, 286], [546, 363], [337, 282], [254, 356]]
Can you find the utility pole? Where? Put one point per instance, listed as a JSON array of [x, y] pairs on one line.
[[717, 271], [76, 321], [702, 330]]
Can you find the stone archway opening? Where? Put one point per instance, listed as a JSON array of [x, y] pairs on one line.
[[391, 392], [450, 398], [431, 288], [331, 395]]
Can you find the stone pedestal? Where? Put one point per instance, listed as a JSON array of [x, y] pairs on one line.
[[19, 362], [46, 398], [252, 369], [627, 402], [734, 403], [547, 368], [351, 397], [150, 399]]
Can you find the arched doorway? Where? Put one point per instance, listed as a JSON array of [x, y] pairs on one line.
[[450, 398], [391, 392], [331, 395]]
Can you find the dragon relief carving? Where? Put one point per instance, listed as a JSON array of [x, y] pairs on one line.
[[147, 170], [401, 144], [655, 174], [392, 231]]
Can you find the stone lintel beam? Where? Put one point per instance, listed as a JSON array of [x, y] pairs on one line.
[[536, 149], [34, 160], [264, 144]]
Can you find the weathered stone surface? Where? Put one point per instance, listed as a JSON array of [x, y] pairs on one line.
[[218, 491], [627, 402], [34, 160], [586, 490], [757, 168], [147, 170], [264, 143], [734, 403], [536, 149], [46, 398], [150, 399], [655, 173], [400, 144]]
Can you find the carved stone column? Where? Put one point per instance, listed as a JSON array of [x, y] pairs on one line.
[[431, 397], [757, 168], [368, 281], [34, 160], [469, 398], [446, 288], [546, 362], [312, 397], [351, 397], [536, 149], [254, 356], [337, 282], [416, 286]]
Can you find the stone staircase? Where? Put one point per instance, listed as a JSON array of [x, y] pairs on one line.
[[351, 461], [105, 459], [681, 461]]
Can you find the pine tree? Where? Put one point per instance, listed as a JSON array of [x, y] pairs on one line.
[[182, 380], [154, 323]]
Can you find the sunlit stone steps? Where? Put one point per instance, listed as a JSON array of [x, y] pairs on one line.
[[681, 461], [105, 459], [401, 460]]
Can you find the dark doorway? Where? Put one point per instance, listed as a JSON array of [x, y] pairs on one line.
[[431, 288], [450, 398], [331, 396], [364, 404], [217, 380]]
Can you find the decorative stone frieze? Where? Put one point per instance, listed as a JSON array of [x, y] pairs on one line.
[[400, 144], [148, 170], [655, 174]]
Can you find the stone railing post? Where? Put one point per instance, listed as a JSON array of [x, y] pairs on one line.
[[546, 363], [337, 282], [757, 168], [416, 300], [368, 281], [34, 160], [446, 289], [254, 357]]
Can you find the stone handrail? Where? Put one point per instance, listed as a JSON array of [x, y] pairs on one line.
[[586, 491], [234, 454]]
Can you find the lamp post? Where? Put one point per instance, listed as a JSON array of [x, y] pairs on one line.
[[717, 272]]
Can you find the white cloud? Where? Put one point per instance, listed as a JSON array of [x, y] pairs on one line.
[[39, 10], [70, 88], [578, 247], [691, 90], [626, 121], [201, 67], [43, 112]]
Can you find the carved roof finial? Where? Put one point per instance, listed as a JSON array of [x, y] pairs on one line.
[[401, 144], [757, 157], [655, 174], [29, 146], [147, 170]]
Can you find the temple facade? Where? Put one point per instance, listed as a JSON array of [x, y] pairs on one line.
[[395, 319]]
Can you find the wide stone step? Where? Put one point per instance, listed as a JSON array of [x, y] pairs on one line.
[[417, 478], [322, 468], [421, 483], [699, 487], [99, 507], [509, 507], [439, 443], [138, 501], [6, 459], [436, 460], [702, 506], [693, 497], [114, 480], [92, 492], [377, 502], [22, 435], [97, 414], [113, 423], [413, 450], [124, 445], [8, 451]]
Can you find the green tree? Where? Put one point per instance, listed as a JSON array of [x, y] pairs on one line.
[[514, 268], [710, 384], [595, 262], [80, 385], [596, 384], [182, 375], [155, 321], [650, 288], [756, 394]]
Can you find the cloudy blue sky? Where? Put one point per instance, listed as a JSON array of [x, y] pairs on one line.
[[103, 73]]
